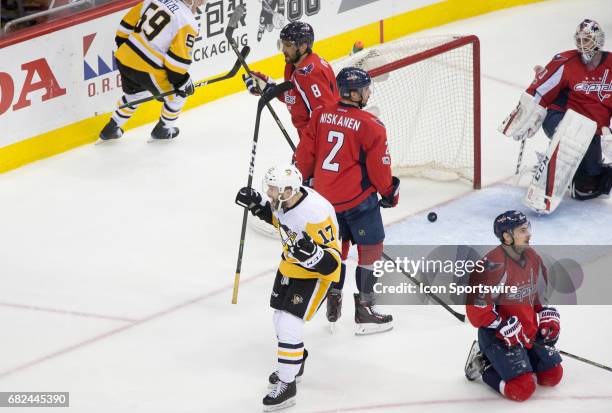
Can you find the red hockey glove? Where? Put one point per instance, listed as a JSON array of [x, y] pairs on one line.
[[550, 324], [511, 331]]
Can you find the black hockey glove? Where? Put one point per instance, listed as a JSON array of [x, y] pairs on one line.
[[186, 88], [391, 200], [306, 251], [250, 199], [258, 83]]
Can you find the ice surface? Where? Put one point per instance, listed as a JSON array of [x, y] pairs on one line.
[[118, 262]]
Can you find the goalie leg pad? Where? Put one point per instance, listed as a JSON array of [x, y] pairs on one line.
[[556, 170]]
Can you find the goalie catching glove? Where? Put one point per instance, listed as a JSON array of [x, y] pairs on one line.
[[525, 120], [258, 83]]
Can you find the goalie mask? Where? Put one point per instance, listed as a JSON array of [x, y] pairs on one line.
[[278, 180], [589, 39]]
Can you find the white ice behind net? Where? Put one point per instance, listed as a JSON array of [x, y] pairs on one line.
[[426, 106]]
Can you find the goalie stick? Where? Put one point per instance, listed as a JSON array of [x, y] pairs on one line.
[[518, 173], [235, 17], [264, 100], [244, 53]]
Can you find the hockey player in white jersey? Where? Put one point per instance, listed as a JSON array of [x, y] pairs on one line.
[[154, 51], [310, 263]]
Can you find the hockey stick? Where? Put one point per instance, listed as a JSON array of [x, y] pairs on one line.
[[239, 12], [573, 356], [244, 53], [517, 173], [265, 99], [458, 316]]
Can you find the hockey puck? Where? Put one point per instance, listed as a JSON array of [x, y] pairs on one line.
[[432, 216]]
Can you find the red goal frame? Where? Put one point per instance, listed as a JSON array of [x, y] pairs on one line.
[[451, 45]]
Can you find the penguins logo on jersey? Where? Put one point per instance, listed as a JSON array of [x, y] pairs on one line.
[[297, 299]]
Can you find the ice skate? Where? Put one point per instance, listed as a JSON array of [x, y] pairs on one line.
[[334, 307], [475, 363], [110, 131], [367, 317], [280, 397], [162, 132]]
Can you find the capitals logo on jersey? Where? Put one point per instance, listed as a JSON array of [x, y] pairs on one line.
[[600, 86], [306, 70]]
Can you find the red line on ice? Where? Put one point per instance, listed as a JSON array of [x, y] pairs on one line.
[[118, 330], [67, 312], [455, 401]]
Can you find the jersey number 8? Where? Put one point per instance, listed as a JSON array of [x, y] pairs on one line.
[[156, 22]]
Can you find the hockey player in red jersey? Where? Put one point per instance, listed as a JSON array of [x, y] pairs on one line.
[[312, 76], [345, 150], [579, 80], [513, 326]]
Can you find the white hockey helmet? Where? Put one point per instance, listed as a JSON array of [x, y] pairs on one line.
[[283, 177], [589, 39]]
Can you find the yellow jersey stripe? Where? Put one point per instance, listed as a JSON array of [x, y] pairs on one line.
[[291, 353], [315, 302]]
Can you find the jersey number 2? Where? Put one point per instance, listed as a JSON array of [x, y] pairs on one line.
[[156, 23], [328, 163]]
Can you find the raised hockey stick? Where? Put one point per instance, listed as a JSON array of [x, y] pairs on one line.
[[244, 53], [573, 356], [239, 12], [458, 316], [265, 99]]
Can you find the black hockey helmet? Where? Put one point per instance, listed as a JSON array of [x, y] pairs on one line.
[[352, 79], [298, 33], [507, 221]]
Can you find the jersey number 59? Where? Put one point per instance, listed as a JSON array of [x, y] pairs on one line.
[[156, 21]]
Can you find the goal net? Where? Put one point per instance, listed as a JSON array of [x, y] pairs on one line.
[[427, 93]]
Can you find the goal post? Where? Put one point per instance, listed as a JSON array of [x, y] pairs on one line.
[[427, 93]]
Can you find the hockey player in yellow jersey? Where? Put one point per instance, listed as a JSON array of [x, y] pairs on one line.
[[154, 47], [310, 263]]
